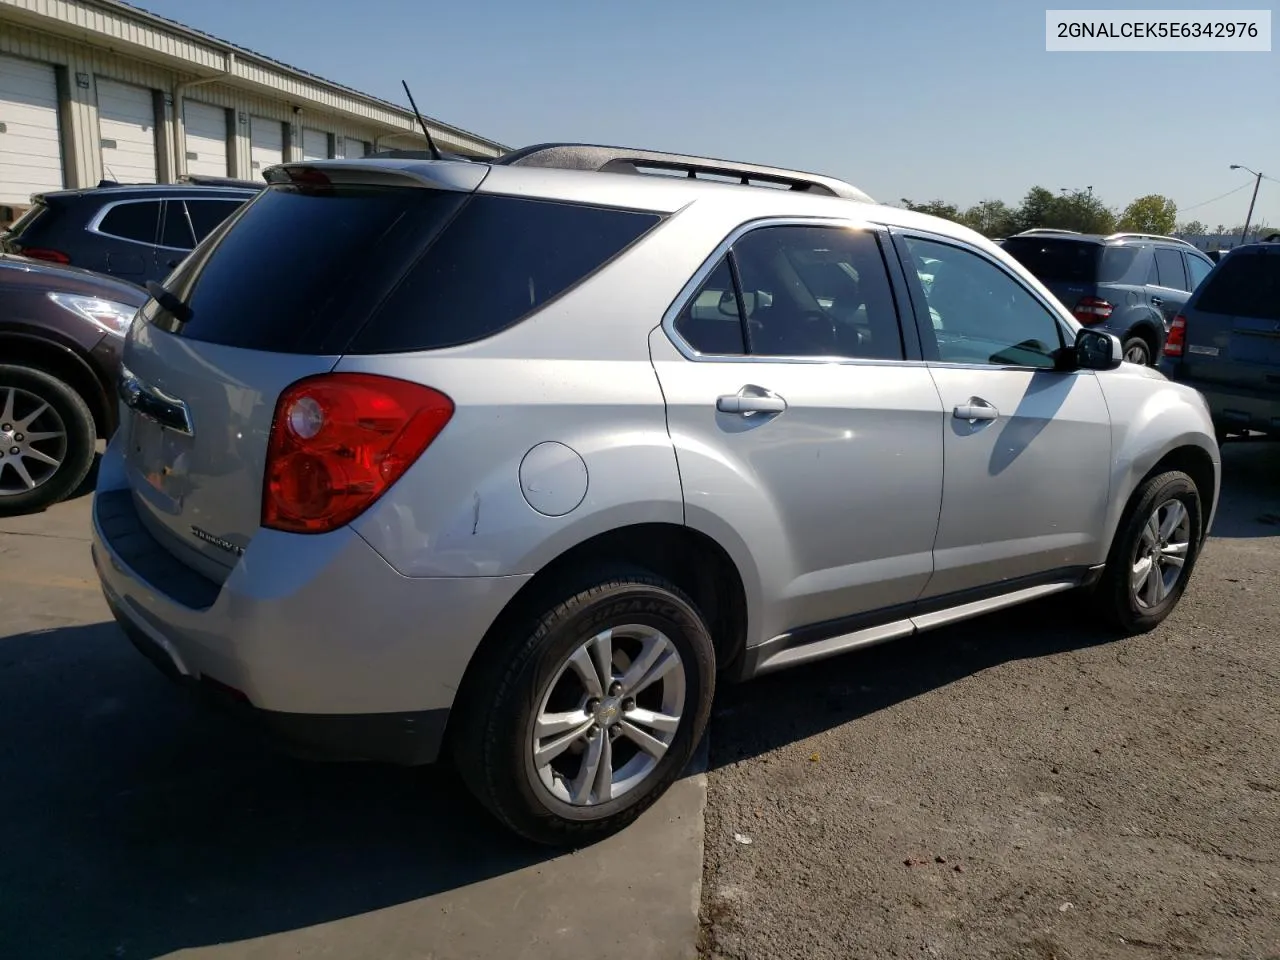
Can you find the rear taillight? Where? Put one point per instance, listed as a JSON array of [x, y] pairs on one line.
[[1093, 310], [338, 441], [44, 253], [1177, 339]]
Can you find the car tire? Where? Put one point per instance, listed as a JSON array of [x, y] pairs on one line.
[[534, 693], [67, 435], [1139, 350], [1165, 520]]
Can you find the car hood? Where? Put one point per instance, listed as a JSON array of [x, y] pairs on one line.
[[25, 273]]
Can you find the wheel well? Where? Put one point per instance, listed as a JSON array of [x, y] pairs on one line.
[[691, 560], [63, 363], [1148, 333], [1195, 463]]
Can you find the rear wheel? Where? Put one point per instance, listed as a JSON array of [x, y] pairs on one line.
[[1153, 554], [47, 439], [577, 726], [1137, 350]]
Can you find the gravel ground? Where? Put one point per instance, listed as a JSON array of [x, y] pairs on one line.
[[1023, 786]]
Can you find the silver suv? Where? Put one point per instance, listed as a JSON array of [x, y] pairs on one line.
[[515, 461]]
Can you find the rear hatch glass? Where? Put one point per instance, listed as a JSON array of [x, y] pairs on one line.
[[1071, 269], [296, 278], [1233, 323], [9, 237]]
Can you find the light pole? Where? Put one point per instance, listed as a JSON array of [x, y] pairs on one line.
[[1257, 182]]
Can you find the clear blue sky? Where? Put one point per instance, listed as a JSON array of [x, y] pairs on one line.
[[925, 99]]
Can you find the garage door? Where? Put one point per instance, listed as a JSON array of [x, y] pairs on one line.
[[206, 145], [353, 149], [266, 143], [127, 132], [30, 148], [315, 145]]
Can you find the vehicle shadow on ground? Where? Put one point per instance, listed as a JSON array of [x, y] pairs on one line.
[[133, 823], [754, 718], [1250, 502]]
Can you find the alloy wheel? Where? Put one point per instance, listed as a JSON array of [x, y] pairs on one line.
[[33, 441], [1160, 554], [608, 716]]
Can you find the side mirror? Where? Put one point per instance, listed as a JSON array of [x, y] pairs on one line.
[[1095, 350]]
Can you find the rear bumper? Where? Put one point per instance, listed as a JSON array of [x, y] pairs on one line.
[[315, 639], [1238, 408]]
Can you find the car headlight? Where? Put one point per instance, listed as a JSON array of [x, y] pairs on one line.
[[107, 315]]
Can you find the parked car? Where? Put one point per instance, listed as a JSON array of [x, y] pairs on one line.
[[61, 334], [137, 233], [1128, 284], [529, 455], [1226, 341]]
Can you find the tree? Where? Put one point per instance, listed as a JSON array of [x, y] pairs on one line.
[[1036, 209], [992, 218], [935, 208], [1150, 214], [1192, 228], [1082, 211]]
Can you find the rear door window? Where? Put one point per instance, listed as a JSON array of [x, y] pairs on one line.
[[135, 220], [1244, 285], [1169, 270], [176, 232], [207, 214], [710, 322]]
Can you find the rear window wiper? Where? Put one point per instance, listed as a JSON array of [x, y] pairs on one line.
[[175, 307]]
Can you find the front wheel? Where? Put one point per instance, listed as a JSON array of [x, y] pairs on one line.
[[582, 723], [47, 438], [1154, 552]]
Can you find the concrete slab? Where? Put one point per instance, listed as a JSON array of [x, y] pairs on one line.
[[135, 825]]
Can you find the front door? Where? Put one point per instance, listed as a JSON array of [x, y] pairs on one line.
[[1026, 448], [801, 431]]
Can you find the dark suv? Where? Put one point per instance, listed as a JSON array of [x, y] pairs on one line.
[[134, 233], [62, 330], [1226, 342], [1128, 284]]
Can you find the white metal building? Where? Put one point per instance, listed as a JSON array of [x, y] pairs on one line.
[[100, 89]]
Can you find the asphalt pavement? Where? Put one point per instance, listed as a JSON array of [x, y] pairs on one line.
[[135, 825], [1022, 786]]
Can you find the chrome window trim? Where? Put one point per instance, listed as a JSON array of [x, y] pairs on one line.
[[690, 289], [95, 224]]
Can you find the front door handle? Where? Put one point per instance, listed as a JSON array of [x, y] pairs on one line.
[[976, 409], [746, 403]]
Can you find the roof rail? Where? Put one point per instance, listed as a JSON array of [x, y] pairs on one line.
[[203, 180], [1273, 238], [1148, 236], [1047, 230], [582, 156]]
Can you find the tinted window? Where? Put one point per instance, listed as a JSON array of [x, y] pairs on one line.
[[980, 314], [207, 214], [1244, 285], [1199, 270], [300, 270], [177, 230], [710, 321], [1057, 260], [133, 221], [1115, 263], [1169, 268], [501, 259], [817, 291]]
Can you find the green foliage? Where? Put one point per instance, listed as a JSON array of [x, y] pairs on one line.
[[1150, 214]]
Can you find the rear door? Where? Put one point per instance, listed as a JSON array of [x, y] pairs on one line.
[[1233, 322], [274, 297], [799, 422], [1167, 285], [1027, 448]]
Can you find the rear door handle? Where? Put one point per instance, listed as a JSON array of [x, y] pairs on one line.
[[976, 409], [746, 403], [1157, 301]]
